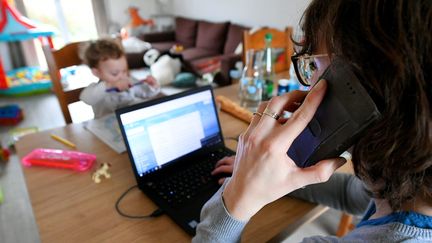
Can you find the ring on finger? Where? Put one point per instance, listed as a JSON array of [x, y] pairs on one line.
[[258, 114], [271, 113]]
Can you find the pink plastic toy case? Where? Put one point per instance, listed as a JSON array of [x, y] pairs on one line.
[[58, 158]]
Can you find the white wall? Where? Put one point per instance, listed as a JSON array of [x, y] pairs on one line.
[[271, 13]]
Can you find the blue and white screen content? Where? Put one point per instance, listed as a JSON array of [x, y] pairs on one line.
[[164, 132]]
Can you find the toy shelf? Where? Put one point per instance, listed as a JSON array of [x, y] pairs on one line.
[[15, 27]]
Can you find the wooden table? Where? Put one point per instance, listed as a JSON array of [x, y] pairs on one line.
[[70, 207]]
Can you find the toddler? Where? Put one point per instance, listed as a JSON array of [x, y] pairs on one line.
[[115, 88]]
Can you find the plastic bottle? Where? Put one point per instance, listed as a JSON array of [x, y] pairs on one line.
[[251, 82], [294, 84], [283, 86], [268, 69]]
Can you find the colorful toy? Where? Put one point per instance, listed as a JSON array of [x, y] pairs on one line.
[[1, 196], [3, 83], [16, 133], [102, 171], [10, 115], [136, 19], [4, 155], [58, 158], [15, 27], [136, 25], [26, 81]]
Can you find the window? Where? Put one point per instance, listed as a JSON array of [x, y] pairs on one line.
[[73, 19]]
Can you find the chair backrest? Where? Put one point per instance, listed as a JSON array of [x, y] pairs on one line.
[[281, 43], [56, 60]]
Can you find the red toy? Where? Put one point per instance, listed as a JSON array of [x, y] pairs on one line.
[[57, 158], [10, 115], [4, 155]]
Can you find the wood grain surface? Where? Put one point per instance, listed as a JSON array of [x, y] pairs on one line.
[[70, 207]]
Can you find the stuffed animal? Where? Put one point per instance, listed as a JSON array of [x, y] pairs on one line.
[[137, 24], [102, 171], [151, 56], [163, 68]]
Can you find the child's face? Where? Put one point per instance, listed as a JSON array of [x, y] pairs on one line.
[[112, 70]]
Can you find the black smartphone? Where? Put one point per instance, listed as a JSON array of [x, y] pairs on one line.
[[346, 111]]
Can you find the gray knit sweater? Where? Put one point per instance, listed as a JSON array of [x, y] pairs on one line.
[[217, 225]]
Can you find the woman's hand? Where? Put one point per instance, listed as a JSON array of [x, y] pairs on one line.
[[263, 172], [224, 167]]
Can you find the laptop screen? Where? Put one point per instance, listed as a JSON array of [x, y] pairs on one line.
[[160, 133]]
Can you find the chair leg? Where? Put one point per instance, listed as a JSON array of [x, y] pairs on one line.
[[345, 225]]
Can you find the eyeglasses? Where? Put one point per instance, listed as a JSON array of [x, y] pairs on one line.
[[305, 67]]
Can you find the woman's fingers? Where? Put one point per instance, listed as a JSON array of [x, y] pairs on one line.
[[255, 120], [274, 108], [227, 169], [227, 160], [295, 100], [277, 105], [258, 115], [319, 172], [302, 116]]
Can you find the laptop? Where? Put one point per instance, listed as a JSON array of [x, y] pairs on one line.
[[173, 144]]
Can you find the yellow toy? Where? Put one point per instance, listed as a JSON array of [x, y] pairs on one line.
[[102, 171], [1, 196]]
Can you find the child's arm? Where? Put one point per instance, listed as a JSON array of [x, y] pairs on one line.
[[147, 88], [93, 93], [119, 86], [150, 80]]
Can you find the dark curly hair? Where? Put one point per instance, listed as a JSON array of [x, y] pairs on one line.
[[390, 44], [101, 50]]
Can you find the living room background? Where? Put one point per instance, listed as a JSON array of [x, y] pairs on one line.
[[253, 13], [111, 15]]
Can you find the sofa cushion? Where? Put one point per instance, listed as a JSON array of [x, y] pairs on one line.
[[195, 53], [135, 60], [163, 46], [234, 38], [206, 65], [185, 31], [211, 36]]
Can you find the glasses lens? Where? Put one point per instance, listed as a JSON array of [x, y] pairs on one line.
[[306, 68]]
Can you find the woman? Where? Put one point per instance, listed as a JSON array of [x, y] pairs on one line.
[[389, 44]]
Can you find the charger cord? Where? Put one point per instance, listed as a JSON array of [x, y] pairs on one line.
[[158, 212]]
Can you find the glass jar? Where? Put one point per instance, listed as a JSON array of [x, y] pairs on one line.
[[251, 81]]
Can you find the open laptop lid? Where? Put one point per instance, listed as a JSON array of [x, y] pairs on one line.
[[160, 132]]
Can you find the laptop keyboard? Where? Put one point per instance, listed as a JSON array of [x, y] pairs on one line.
[[190, 182]]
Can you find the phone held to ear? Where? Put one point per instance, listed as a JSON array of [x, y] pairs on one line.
[[345, 113]]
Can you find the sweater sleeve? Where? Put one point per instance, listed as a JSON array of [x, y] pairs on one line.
[[342, 191], [217, 225], [93, 94]]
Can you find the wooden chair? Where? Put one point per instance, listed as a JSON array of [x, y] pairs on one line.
[[56, 60], [281, 39], [345, 225]]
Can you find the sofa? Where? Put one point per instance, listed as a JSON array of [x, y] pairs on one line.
[[207, 46]]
